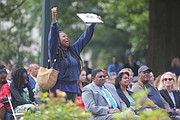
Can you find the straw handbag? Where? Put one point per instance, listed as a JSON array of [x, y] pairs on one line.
[[47, 78]]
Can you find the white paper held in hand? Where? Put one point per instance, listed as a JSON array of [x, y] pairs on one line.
[[89, 18]]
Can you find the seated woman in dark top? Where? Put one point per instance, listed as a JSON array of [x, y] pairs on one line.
[[121, 84], [167, 89], [21, 91]]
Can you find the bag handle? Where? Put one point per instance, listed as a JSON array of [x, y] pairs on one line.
[[57, 56], [54, 61]]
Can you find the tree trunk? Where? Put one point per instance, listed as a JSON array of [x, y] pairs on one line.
[[164, 34]]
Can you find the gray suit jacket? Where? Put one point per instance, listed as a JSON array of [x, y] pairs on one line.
[[95, 102]]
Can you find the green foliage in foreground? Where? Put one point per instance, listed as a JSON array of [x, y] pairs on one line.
[[146, 114], [55, 108]]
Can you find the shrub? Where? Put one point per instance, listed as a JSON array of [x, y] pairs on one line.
[[144, 114], [56, 108]]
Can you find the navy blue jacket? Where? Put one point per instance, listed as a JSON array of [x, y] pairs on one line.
[[123, 97], [32, 82]]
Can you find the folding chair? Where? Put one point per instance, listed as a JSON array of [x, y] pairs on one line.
[[15, 115]]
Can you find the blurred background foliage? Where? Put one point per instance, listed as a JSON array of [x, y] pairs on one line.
[[124, 30], [17, 20]]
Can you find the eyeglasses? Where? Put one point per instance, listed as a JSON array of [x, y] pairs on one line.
[[166, 79], [126, 78], [101, 76]]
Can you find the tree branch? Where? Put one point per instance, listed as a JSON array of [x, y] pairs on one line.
[[113, 26], [12, 10]]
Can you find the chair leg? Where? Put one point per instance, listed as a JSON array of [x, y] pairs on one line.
[[9, 99]]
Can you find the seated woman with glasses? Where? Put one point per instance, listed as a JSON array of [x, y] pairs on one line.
[[121, 84], [167, 89]]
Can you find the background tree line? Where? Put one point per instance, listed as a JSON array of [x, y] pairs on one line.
[[129, 27]]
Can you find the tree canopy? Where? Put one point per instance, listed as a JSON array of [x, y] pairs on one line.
[[124, 30], [18, 18]]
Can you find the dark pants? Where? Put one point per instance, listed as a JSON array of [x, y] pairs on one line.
[[71, 96], [9, 116], [2, 113]]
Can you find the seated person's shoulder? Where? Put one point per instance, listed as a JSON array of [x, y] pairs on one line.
[[136, 87], [109, 84], [89, 86]]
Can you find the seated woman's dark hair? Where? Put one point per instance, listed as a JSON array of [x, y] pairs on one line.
[[119, 78], [18, 77]]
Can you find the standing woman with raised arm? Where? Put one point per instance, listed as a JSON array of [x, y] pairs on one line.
[[68, 60]]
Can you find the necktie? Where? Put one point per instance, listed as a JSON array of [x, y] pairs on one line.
[[109, 96]]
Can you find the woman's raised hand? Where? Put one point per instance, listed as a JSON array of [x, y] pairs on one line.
[[54, 12], [99, 17]]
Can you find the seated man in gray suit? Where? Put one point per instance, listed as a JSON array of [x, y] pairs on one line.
[[100, 98]]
